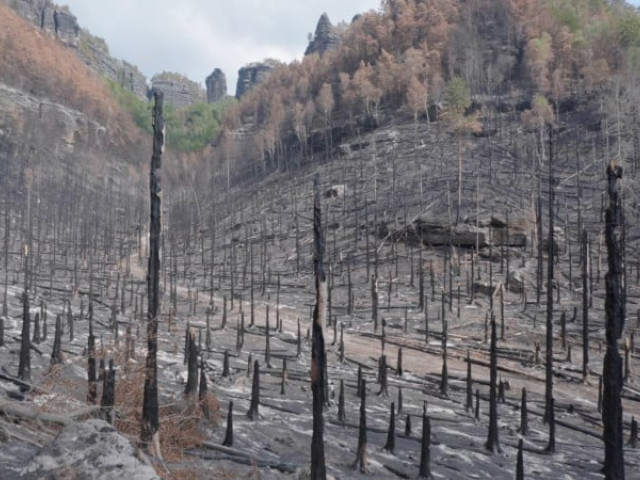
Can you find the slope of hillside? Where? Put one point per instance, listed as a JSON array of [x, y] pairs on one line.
[[46, 72]]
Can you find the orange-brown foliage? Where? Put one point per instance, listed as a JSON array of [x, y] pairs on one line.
[[40, 65]]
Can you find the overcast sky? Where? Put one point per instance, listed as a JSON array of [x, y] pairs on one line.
[[193, 37]]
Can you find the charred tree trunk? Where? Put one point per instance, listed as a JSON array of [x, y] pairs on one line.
[[252, 414], [56, 353], [228, 437], [390, 444], [24, 367], [585, 306], [425, 451], [493, 443], [318, 353], [550, 265], [520, 462], [361, 452], [614, 312], [149, 434]]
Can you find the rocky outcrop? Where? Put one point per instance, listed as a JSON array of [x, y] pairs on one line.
[[178, 90], [216, 86], [464, 235], [95, 53], [253, 74], [91, 450], [326, 37], [46, 129], [44, 14], [61, 23]]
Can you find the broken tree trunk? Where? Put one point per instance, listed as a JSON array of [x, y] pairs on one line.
[[425, 453], [24, 368], [318, 353], [361, 452], [493, 443], [614, 313], [550, 265], [149, 435], [228, 437]]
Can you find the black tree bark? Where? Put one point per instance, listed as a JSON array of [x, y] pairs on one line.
[[149, 434], [318, 353], [614, 313]]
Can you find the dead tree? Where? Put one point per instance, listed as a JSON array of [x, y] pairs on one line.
[[202, 390], [520, 462], [614, 313], [585, 306], [493, 443], [228, 437], [425, 450], [390, 444], [551, 445], [524, 422], [24, 367], [56, 353], [91, 353], [108, 401], [342, 416], [469, 404], [361, 452], [252, 414], [550, 265], [318, 353], [191, 387], [149, 434]]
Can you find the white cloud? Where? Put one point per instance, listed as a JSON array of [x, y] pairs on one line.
[[193, 37]]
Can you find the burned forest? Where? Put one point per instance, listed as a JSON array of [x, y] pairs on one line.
[[451, 292]]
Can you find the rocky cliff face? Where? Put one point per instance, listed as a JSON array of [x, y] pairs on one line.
[[178, 90], [48, 130], [253, 74], [216, 86], [326, 37], [61, 23], [95, 53], [44, 14]]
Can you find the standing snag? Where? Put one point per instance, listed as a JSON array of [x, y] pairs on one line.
[[361, 452], [390, 445], [614, 313], [318, 353], [24, 368], [149, 434], [425, 451], [252, 414], [228, 437]]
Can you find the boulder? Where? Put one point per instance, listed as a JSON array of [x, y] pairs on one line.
[[91, 450]]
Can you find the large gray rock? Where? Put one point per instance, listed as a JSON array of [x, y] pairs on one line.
[[47, 16], [253, 74], [91, 450], [178, 90], [216, 86], [95, 53], [326, 37]]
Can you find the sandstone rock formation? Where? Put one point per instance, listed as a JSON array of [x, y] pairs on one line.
[[61, 23], [326, 37], [253, 74], [178, 90], [216, 86], [91, 450], [44, 14], [95, 53]]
